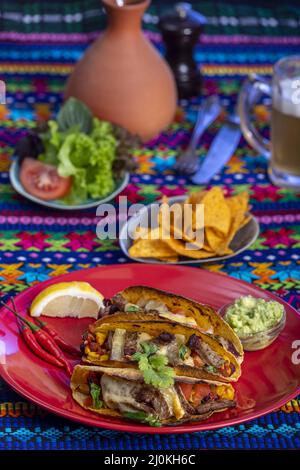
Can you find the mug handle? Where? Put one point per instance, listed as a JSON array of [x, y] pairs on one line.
[[253, 87]]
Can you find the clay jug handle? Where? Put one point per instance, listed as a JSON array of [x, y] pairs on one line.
[[125, 18]]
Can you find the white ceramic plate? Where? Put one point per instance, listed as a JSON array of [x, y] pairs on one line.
[[242, 240], [57, 204]]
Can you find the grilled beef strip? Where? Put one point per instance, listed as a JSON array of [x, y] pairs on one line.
[[111, 306], [168, 341], [123, 394], [227, 345], [173, 353], [205, 351], [188, 408], [93, 378], [165, 338]]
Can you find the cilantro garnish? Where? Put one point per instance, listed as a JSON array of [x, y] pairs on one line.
[[132, 308], [95, 392], [152, 420], [154, 366], [182, 351], [211, 369]]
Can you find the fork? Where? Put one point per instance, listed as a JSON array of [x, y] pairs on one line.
[[188, 162]]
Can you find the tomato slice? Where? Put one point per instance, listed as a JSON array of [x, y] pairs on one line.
[[194, 393], [200, 391], [88, 401], [186, 390], [43, 181], [178, 311]]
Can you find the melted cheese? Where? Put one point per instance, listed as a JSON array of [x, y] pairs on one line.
[[180, 339], [173, 402], [101, 337], [225, 392], [142, 337], [118, 394], [189, 361], [117, 347]]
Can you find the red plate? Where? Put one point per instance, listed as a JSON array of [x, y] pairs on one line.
[[268, 376]]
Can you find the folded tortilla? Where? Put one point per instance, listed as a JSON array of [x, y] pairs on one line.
[[113, 340], [122, 393]]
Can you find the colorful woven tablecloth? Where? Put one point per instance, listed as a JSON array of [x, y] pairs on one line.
[[39, 45]]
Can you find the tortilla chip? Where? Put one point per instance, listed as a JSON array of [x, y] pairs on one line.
[[223, 217], [148, 234], [216, 211], [168, 259], [179, 247], [196, 197], [238, 203], [80, 379], [198, 216]]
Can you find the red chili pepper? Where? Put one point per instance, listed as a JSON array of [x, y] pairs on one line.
[[69, 348], [49, 345], [32, 343], [44, 340]]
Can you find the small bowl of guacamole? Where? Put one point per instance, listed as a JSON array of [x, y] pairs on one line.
[[256, 321]]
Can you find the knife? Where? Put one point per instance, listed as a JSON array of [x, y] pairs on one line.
[[220, 151]]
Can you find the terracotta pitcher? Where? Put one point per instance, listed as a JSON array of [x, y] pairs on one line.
[[122, 78]]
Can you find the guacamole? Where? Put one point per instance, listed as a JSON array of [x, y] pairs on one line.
[[249, 315]]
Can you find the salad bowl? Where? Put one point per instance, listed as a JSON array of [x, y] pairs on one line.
[[59, 203]]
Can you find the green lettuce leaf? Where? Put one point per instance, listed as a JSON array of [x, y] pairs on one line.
[[88, 159]]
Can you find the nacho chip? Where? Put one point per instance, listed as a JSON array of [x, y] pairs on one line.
[[238, 203], [196, 197], [235, 225], [179, 246]]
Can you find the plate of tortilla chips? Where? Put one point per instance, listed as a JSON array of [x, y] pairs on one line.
[[227, 226]]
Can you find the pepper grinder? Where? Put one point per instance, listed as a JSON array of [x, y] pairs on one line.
[[181, 28]]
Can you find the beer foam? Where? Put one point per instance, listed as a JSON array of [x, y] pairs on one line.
[[286, 97]]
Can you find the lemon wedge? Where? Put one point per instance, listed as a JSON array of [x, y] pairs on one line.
[[67, 299]]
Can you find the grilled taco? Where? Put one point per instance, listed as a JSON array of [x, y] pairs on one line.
[[156, 302], [118, 340], [123, 393]]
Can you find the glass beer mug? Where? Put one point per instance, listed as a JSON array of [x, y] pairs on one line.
[[283, 150]]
